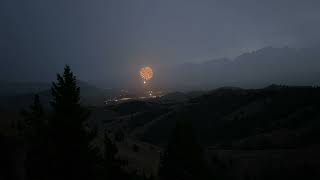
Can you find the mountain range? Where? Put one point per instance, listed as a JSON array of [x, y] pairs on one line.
[[257, 69]]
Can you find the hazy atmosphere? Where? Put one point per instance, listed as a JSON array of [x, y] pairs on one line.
[[159, 89], [107, 41]]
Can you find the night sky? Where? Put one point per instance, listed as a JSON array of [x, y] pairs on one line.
[[108, 40]]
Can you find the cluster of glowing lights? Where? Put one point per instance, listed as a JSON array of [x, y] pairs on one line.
[[146, 74]]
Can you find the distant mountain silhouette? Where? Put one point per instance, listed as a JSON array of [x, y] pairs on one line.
[[19, 95], [255, 69], [20, 88]]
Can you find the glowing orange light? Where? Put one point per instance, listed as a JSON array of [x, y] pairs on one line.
[[146, 74]]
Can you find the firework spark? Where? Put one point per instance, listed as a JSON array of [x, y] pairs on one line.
[[146, 73]]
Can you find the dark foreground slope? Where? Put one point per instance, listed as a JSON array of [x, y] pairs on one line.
[[273, 117], [270, 133]]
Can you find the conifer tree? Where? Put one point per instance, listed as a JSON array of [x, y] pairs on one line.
[[33, 118], [34, 133], [71, 153]]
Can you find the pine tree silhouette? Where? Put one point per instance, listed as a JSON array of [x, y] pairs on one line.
[[34, 117], [34, 133], [183, 157], [70, 150]]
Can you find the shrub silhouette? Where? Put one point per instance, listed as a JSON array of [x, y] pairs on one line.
[[183, 157]]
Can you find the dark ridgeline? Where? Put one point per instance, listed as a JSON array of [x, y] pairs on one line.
[[270, 133]]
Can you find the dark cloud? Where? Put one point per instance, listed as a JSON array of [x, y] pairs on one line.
[[105, 40]]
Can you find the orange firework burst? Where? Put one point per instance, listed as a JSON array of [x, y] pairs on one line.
[[146, 73]]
